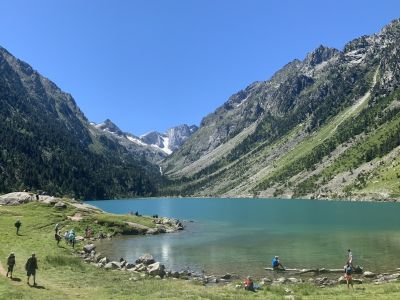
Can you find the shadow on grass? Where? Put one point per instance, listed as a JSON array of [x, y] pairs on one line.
[[16, 279], [39, 287]]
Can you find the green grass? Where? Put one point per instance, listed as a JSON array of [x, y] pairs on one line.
[[61, 275]]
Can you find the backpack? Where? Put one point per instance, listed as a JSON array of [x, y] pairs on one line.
[[349, 270]]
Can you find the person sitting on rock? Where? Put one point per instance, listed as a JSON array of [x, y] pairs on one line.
[[348, 270], [10, 264], [249, 284], [276, 264]]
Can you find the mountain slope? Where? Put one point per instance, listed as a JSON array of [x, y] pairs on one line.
[[321, 127], [46, 143]]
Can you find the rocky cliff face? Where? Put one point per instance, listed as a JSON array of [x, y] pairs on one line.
[[46, 142], [154, 146], [281, 136]]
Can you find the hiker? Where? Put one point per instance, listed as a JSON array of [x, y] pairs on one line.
[[31, 267], [18, 225], [276, 264], [57, 237], [87, 232], [10, 264], [249, 284], [57, 228], [71, 237], [348, 270], [349, 257]]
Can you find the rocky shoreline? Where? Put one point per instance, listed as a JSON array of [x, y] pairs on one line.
[[146, 266]]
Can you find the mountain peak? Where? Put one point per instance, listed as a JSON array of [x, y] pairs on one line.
[[319, 55], [109, 126]]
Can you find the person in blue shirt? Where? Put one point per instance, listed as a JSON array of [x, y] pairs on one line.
[[276, 264]]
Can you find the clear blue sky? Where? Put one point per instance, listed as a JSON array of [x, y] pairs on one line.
[[150, 65]]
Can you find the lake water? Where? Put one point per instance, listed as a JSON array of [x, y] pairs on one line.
[[241, 236]]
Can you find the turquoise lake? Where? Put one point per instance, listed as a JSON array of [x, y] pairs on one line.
[[242, 235]]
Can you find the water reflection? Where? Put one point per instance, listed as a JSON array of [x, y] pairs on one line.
[[241, 236]]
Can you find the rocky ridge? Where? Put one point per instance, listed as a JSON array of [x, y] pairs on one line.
[[321, 127]]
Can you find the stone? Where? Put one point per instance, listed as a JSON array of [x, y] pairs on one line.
[[146, 259], [280, 280], [113, 265], [227, 276], [129, 266], [341, 280], [368, 274], [16, 198], [140, 268], [89, 248], [175, 275], [265, 281], [294, 280], [79, 238], [156, 269], [104, 261], [60, 205]]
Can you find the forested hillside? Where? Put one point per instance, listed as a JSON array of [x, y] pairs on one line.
[[47, 144]]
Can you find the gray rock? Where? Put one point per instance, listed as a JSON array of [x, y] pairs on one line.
[[140, 268], [226, 276], [89, 248], [146, 259], [280, 280], [294, 280], [104, 261], [368, 274], [16, 198], [60, 205], [156, 269], [113, 265]]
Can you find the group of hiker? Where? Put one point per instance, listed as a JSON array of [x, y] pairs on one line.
[[277, 266], [30, 266]]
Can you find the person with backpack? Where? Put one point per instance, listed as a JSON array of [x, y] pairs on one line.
[[17, 225], [31, 266], [348, 271], [10, 264]]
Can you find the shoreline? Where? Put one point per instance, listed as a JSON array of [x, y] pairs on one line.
[[320, 279]]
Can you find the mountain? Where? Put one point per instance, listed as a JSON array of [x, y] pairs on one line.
[[46, 143], [170, 141], [130, 142], [154, 146], [327, 126]]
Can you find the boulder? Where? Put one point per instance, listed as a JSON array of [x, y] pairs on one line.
[[79, 238], [294, 280], [113, 265], [140, 268], [146, 259], [104, 261], [280, 280], [368, 274], [226, 276], [16, 198], [89, 248], [60, 205], [265, 281], [156, 269]]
